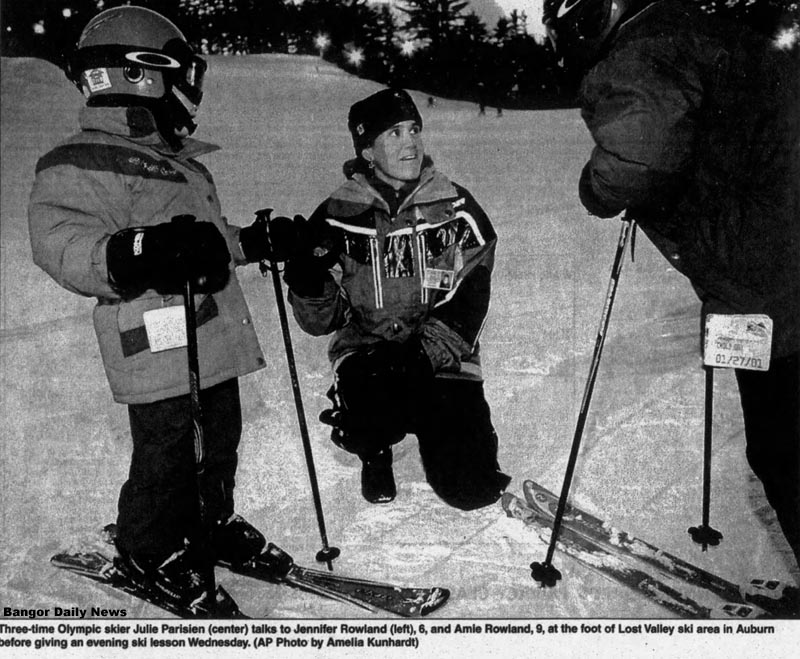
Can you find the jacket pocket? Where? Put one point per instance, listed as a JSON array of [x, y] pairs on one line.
[[130, 319]]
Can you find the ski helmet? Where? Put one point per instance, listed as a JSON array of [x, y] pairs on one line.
[[578, 28], [129, 56]]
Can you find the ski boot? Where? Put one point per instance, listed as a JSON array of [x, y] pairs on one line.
[[377, 477], [177, 579], [236, 541]]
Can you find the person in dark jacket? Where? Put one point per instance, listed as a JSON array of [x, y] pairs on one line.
[[697, 136], [413, 254], [100, 221]]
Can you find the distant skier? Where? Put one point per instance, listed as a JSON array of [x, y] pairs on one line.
[[696, 128], [481, 99], [415, 254], [100, 224]]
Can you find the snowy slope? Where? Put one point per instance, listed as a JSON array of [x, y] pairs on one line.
[[282, 124]]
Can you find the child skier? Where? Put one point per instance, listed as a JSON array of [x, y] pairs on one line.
[[100, 220]]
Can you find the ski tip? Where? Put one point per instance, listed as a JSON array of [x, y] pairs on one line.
[[532, 488], [533, 492], [517, 508], [436, 599], [739, 611], [507, 501], [224, 606], [65, 559]]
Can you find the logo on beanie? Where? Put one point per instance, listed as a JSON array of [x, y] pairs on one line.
[[360, 129]]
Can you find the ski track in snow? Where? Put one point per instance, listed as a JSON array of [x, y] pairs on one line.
[[281, 123]]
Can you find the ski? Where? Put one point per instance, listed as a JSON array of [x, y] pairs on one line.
[[775, 597], [102, 569], [614, 567], [276, 566]]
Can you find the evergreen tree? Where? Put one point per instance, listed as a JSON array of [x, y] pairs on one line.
[[454, 50], [434, 21], [48, 30], [770, 17], [344, 22], [381, 53]]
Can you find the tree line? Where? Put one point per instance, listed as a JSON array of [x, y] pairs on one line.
[[440, 47]]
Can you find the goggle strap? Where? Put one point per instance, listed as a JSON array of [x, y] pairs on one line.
[[94, 57]]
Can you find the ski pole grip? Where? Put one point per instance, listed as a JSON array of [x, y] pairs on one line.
[[263, 217]]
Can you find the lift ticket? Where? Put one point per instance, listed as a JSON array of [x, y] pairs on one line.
[[738, 341], [166, 328]]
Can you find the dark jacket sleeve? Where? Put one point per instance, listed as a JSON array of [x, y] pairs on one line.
[[640, 105], [324, 314], [451, 332]]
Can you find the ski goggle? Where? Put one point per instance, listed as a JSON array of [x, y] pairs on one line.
[[191, 69]]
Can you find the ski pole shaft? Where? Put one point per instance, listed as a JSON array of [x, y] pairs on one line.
[[704, 534], [709, 416], [327, 553], [194, 378], [587, 394], [196, 414]]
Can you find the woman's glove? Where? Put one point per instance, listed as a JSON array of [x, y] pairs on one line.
[[271, 238]]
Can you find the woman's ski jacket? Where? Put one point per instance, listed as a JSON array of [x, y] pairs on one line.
[[422, 271]]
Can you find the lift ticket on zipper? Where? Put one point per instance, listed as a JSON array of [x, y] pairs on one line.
[[166, 328], [738, 341]]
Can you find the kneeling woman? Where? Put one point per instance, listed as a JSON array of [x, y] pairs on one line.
[[413, 256]]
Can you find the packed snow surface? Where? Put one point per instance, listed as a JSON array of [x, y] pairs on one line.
[[281, 121]]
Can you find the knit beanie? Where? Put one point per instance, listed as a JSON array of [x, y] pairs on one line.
[[371, 116]]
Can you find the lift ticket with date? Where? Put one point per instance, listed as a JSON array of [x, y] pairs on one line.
[[738, 341]]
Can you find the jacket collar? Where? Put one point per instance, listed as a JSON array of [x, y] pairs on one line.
[[357, 190], [137, 125]]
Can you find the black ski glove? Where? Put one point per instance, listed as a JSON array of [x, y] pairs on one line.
[[308, 270], [271, 239], [165, 256], [591, 201], [417, 364], [405, 365]]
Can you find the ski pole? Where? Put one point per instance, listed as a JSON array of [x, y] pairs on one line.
[[545, 573], [196, 414], [219, 601], [705, 535], [327, 554]]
